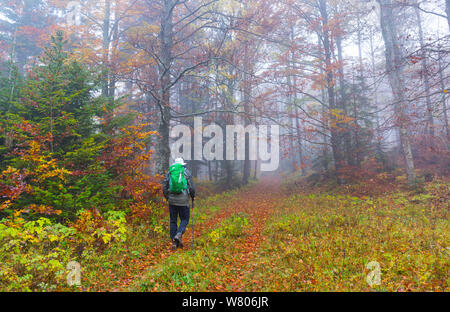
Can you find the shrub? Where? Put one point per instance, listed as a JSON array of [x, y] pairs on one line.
[[33, 254], [234, 226]]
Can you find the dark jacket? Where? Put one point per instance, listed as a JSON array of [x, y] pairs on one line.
[[181, 199]]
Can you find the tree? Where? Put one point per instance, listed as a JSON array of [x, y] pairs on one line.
[[447, 11], [26, 26], [57, 95], [168, 44], [394, 68], [424, 74]]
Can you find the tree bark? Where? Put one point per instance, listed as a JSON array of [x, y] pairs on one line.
[[166, 40], [375, 96], [346, 135], [394, 68], [246, 89], [444, 106], [425, 77], [335, 139], [105, 45], [447, 11], [296, 122], [324, 136]]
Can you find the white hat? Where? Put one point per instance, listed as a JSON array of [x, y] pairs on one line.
[[179, 161]]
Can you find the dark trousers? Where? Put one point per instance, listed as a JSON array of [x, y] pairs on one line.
[[175, 211]]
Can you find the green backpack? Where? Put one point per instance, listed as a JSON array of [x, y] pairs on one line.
[[177, 181]]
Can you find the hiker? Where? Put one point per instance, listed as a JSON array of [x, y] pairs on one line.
[[178, 186]]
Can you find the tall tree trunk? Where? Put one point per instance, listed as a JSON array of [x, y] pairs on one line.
[[335, 139], [105, 45], [324, 136], [358, 103], [356, 129], [115, 41], [375, 97], [290, 110], [444, 106], [343, 103], [216, 170], [163, 144], [290, 104], [246, 91], [209, 170], [394, 68], [229, 173], [294, 99], [425, 77], [166, 38], [12, 78], [447, 11], [299, 140]]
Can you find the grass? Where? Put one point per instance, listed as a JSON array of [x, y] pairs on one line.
[[324, 242], [264, 237], [197, 270], [316, 240], [119, 265]]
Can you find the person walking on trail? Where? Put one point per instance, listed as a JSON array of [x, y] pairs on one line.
[[178, 188]]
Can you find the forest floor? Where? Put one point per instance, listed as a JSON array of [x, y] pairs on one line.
[[268, 237]]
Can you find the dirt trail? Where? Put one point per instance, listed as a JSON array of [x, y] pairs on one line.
[[257, 202]]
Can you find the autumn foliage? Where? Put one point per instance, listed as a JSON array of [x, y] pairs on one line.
[[72, 165], [90, 92]]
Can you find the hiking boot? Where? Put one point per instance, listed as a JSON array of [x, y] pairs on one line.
[[174, 245], [178, 240]]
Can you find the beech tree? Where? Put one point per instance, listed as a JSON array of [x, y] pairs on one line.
[[394, 68]]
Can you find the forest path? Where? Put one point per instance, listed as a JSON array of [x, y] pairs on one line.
[[259, 204], [262, 237], [256, 202], [232, 256]]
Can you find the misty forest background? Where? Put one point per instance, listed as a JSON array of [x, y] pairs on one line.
[[89, 91]]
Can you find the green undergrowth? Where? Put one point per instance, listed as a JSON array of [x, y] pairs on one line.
[[143, 240], [196, 269], [34, 255], [323, 242]]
